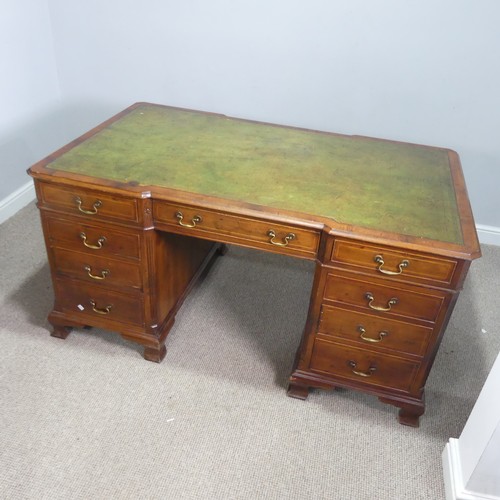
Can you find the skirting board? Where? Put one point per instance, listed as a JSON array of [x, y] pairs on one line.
[[453, 480], [489, 235], [16, 200]]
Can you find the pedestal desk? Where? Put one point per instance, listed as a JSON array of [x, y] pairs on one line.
[[134, 210]]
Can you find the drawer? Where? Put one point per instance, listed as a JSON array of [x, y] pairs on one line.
[[229, 228], [94, 204], [98, 302], [95, 269], [393, 299], [374, 331], [93, 239], [363, 366], [390, 262]]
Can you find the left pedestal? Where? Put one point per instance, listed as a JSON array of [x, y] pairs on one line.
[[111, 269]]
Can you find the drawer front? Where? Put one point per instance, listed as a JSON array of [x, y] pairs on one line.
[[234, 229], [373, 331], [77, 201], [95, 269], [389, 262], [98, 302], [392, 300], [363, 366], [94, 239]]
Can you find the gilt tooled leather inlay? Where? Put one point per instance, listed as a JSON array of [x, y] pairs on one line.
[[381, 185]]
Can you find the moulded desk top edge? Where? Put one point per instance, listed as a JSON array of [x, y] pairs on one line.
[[329, 226]]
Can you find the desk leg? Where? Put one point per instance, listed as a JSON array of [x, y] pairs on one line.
[[222, 249], [155, 350], [298, 391], [60, 332], [155, 354], [62, 327], [410, 417], [409, 412]]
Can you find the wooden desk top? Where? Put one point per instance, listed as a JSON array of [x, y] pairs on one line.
[[405, 189]]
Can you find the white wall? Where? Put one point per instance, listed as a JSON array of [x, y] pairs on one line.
[[29, 89], [471, 462], [421, 71]]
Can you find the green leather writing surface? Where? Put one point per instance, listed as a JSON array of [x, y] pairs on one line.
[[377, 184]]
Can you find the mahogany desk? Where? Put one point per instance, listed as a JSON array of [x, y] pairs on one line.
[[136, 208]]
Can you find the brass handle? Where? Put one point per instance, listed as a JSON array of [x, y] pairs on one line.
[[391, 302], [103, 275], [362, 332], [106, 310], [195, 220], [368, 373], [272, 234], [380, 260], [100, 242], [95, 206]]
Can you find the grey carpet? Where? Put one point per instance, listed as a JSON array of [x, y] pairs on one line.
[[88, 418]]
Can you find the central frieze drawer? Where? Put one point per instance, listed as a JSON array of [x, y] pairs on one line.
[[373, 331], [391, 299], [237, 229], [363, 366]]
